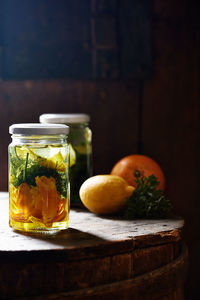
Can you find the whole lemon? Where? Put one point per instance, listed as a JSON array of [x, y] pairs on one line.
[[105, 194]]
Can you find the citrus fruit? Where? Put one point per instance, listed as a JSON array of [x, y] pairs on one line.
[[105, 194], [22, 153], [72, 156], [146, 166], [55, 162], [54, 157], [45, 151], [83, 149]]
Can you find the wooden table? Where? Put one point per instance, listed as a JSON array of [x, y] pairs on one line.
[[96, 258]]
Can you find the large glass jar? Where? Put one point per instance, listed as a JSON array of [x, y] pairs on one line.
[[80, 139], [38, 177]]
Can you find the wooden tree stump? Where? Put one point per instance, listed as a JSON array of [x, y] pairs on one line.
[[96, 258]]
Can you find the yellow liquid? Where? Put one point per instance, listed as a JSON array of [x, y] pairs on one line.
[[37, 228], [38, 190]]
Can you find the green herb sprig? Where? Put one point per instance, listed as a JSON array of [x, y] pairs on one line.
[[37, 170], [147, 201], [26, 170]]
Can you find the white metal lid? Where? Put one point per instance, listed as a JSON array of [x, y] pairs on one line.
[[65, 118], [38, 129]]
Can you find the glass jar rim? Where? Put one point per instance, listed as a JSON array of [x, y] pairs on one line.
[[38, 129], [64, 118]]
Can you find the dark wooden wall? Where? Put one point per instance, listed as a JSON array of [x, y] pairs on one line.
[[171, 114], [148, 105]]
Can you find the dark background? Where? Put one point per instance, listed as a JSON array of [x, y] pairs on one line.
[[134, 66]]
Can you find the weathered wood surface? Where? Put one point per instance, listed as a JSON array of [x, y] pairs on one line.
[[95, 230], [96, 258], [164, 283]]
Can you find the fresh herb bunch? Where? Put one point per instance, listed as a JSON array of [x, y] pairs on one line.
[[37, 170], [147, 200], [25, 171]]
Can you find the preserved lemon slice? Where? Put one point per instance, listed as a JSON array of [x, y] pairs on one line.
[[55, 162], [22, 152], [56, 158], [83, 149], [72, 155], [46, 152], [59, 158]]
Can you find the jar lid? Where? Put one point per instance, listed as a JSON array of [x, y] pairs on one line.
[[65, 118], [38, 129]]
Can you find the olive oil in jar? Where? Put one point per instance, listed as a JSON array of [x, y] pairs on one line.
[[38, 178], [80, 139]]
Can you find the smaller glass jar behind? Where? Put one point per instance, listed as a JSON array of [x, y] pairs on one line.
[[80, 139], [38, 178]]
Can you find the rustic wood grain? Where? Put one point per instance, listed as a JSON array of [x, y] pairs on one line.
[[135, 39], [162, 284], [94, 252], [151, 257], [106, 102], [171, 113], [73, 40], [87, 229]]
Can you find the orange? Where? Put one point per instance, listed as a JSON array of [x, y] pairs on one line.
[[146, 166]]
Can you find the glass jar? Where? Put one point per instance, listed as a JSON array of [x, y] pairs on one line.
[[38, 177], [80, 139]]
